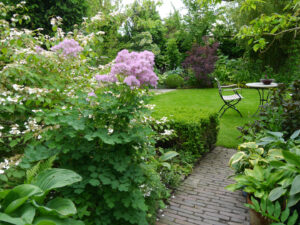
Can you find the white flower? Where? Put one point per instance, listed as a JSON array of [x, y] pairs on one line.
[[39, 137], [1, 127], [110, 130]]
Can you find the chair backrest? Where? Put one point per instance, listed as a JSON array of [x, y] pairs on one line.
[[219, 87]]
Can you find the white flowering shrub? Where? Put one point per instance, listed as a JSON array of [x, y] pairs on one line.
[[51, 104]]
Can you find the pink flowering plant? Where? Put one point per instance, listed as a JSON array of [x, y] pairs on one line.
[[132, 68]]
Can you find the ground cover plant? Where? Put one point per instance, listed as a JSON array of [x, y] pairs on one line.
[[192, 105]]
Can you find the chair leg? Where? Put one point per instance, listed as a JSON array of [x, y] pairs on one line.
[[229, 105], [222, 108]]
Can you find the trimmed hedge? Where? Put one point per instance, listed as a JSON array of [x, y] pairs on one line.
[[194, 138]]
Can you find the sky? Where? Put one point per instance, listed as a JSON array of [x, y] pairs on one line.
[[166, 7]]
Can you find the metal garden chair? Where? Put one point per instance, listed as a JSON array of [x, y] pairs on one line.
[[229, 100]]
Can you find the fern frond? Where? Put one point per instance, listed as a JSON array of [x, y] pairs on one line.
[[38, 168]]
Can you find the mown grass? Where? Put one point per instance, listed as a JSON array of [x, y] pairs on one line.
[[192, 104]]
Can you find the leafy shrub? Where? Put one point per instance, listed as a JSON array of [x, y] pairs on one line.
[[238, 70], [202, 59], [174, 81], [40, 12], [194, 138]]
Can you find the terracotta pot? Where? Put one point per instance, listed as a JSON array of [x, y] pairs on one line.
[[256, 218]]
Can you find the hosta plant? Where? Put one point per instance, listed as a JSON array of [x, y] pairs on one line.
[[32, 204]]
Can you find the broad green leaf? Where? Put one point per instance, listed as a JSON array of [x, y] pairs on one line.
[[293, 200], [26, 212], [291, 158], [8, 219], [55, 178], [57, 207], [276, 134], [167, 165], [276, 193], [15, 205], [285, 214], [292, 220], [168, 155], [295, 134], [94, 182], [295, 188], [236, 158], [22, 191], [51, 220]]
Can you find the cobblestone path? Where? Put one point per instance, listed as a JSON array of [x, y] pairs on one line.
[[202, 199]]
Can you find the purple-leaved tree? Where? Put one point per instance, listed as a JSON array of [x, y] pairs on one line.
[[202, 59]]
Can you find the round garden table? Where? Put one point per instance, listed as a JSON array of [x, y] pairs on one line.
[[260, 87]]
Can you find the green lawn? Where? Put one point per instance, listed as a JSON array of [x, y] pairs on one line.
[[191, 104]]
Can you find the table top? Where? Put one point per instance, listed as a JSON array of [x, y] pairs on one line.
[[261, 85]]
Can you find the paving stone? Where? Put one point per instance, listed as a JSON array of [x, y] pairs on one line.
[[202, 199]]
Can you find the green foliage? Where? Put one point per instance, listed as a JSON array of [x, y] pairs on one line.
[[195, 137], [25, 204], [173, 53], [40, 12], [143, 41], [280, 114], [111, 150], [38, 168], [274, 211], [174, 81]]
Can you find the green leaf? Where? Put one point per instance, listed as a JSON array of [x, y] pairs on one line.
[[285, 214], [295, 188], [291, 158], [236, 158], [270, 207], [168, 155], [51, 220], [167, 165], [293, 200], [56, 178], [15, 205], [292, 220], [295, 134], [57, 207], [277, 209], [276, 193], [8, 219], [94, 182], [256, 47], [20, 192]]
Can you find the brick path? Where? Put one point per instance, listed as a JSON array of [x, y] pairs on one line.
[[202, 199]]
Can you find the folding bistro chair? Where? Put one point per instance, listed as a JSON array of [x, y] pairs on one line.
[[229, 100]]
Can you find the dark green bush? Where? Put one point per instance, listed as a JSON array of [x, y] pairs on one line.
[[174, 81], [192, 139], [40, 12]]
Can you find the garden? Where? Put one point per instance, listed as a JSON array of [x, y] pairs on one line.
[[85, 138]]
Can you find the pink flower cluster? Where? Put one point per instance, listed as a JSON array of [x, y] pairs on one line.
[[68, 47], [135, 67]]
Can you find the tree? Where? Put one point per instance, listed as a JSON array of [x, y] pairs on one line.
[[41, 12]]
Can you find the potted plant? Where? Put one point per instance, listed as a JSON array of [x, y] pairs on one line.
[[266, 81]]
